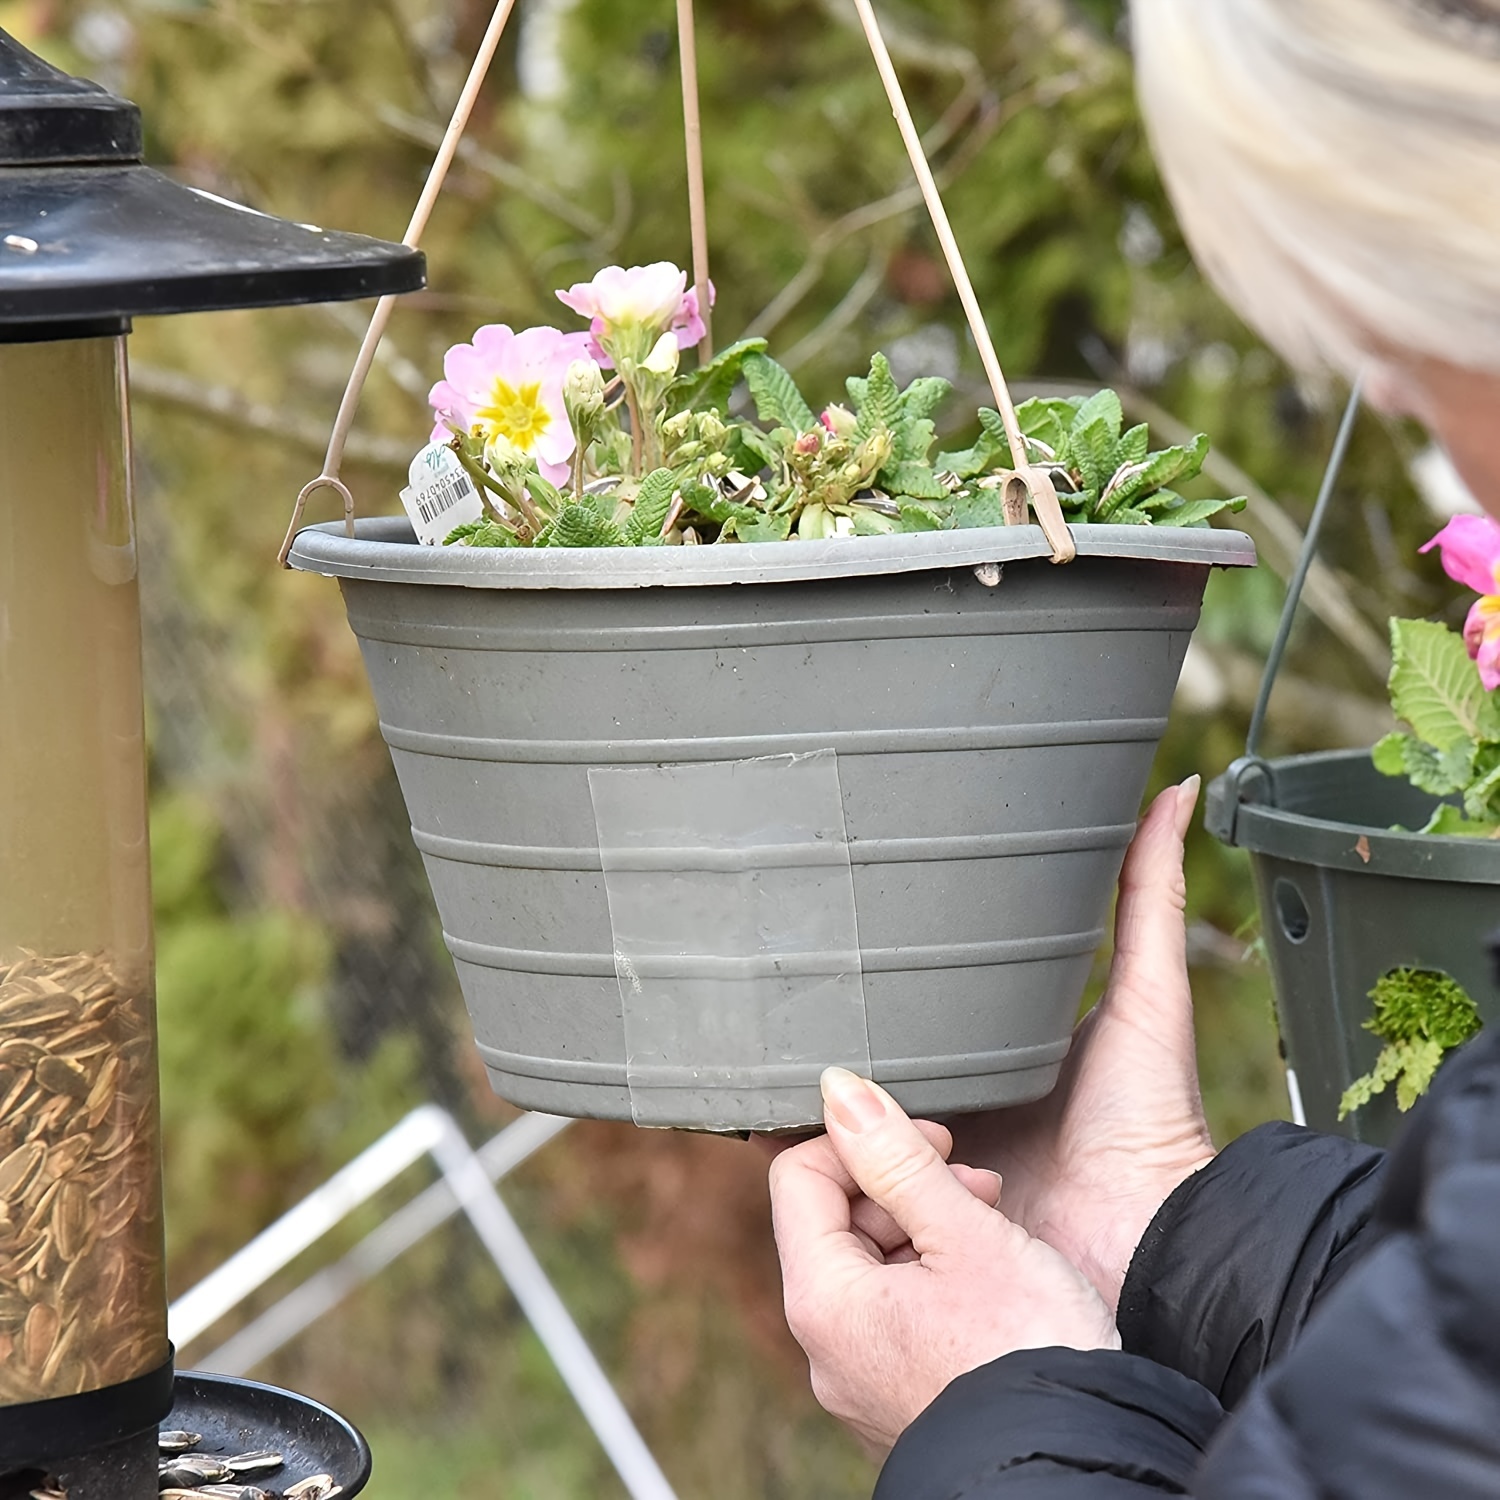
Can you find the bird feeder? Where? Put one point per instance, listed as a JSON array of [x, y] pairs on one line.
[[89, 239]]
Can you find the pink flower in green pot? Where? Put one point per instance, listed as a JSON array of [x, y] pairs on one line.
[[1470, 547], [510, 385]]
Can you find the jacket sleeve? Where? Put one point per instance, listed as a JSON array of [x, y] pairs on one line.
[[1394, 1387], [1241, 1254], [1056, 1424], [1392, 1390]]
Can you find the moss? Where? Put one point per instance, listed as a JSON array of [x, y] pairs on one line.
[[1420, 1015]]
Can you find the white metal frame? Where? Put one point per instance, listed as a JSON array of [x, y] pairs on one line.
[[467, 1184]]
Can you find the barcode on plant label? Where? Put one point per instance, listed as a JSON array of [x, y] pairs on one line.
[[441, 495]]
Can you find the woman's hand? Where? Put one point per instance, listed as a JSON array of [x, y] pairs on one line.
[[900, 1274], [1087, 1167]]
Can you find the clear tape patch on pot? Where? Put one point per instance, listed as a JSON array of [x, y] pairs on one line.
[[731, 900]]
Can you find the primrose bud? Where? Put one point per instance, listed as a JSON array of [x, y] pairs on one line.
[[583, 392], [840, 421], [504, 457], [663, 359], [808, 444], [875, 451], [676, 429]]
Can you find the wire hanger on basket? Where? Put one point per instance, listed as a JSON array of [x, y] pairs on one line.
[[1026, 486]]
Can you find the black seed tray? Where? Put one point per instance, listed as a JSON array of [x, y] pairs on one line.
[[236, 1416]]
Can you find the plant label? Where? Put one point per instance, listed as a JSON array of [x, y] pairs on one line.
[[440, 495]]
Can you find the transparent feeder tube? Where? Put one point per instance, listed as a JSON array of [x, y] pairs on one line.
[[82, 1283]]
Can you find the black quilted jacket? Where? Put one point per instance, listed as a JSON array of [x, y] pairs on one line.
[[1304, 1320]]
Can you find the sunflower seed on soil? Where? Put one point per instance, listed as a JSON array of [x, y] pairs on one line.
[[177, 1441], [261, 1461]]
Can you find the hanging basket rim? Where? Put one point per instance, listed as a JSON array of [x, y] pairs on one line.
[[1362, 849], [384, 549]]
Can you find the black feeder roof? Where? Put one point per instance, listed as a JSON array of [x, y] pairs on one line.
[[89, 237]]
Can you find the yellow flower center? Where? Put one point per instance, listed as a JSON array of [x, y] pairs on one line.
[[516, 413]]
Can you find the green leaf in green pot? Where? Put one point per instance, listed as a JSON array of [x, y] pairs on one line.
[[1435, 687]]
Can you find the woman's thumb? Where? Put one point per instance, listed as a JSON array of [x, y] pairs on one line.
[[895, 1165], [1150, 933]]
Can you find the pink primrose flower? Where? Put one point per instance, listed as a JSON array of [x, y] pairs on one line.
[[510, 385], [1482, 637], [647, 300], [1470, 547], [688, 325]]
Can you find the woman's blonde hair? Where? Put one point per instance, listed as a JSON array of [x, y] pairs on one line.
[[1335, 165]]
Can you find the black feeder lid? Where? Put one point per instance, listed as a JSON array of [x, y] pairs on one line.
[[89, 237]]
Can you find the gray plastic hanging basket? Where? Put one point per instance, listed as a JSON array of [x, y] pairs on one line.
[[987, 748], [1344, 900]]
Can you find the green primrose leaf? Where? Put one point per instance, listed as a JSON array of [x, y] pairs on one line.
[[1389, 754], [705, 500], [1135, 445], [710, 386], [1448, 821], [760, 527], [1103, 407], [916, 480], [914, 440], [757, 449], [775, 394], [482, 533], [1164, 470], [915, 516], [882, 404], [970, 463], [1481, 795], [578, 525], [1435, 687], [1047, 418], [978, 507], [1440, 772], [1090, 448], [869, 522], [649, 513], [1196, 512], [994, 429], [924, 395], [543, 492]]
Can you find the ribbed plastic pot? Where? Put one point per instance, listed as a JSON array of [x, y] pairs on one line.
[[1343, 900], [993, 746]]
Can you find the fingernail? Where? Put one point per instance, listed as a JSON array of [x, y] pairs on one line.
[[1187, 800], [850, 1100]]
